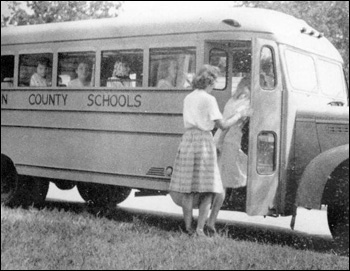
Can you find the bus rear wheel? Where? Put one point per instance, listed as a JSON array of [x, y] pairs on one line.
[[102, 194], [31, 191], [9, 180]]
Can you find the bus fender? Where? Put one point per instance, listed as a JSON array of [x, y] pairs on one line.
[[316, 174]]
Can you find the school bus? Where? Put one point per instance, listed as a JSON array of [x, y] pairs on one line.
[[107, 139]]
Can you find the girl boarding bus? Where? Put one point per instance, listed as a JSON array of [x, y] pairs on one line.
[[106, 112]]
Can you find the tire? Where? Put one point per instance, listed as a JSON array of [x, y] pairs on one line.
[[338, 207], [9, 180], [31, 191], [64, 185], [103, 195], [338, 222]]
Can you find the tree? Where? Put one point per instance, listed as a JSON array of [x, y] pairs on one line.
[[39, 12], [328, 17]]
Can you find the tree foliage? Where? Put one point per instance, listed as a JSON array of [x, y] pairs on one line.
[[328, 17], [39, 12]]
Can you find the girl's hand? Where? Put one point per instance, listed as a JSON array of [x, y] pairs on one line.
[[246, 112]]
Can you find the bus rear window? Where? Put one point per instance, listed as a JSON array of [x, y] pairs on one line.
[[331, 78], [172, 67], [301, 71], [7, 70]]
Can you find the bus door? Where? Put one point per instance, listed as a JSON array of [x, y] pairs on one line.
[[265, 129], [234, 59]]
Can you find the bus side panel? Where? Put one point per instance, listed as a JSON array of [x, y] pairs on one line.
[[88, 151], [72, 143]]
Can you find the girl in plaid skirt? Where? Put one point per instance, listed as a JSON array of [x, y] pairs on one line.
[[196, 177]]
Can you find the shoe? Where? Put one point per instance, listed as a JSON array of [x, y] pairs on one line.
[[200, 233], [210, 231], [190, 232]]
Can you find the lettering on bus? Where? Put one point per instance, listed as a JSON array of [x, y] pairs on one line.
[[114, 100], [4, 99], [48, 99]]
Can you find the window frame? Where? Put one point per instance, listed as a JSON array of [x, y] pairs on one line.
[[273, 55], [19, 54], [227, 67], [315, 91], [150, 53]]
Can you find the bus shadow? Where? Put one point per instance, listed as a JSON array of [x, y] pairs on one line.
[[173, 223]]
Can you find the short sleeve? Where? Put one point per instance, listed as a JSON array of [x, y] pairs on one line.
[[32, 81], [214, 111]]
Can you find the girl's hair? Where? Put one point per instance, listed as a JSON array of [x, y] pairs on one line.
[[206, 76], [43, 61], [164, 69], [243, 87], [83, 61]]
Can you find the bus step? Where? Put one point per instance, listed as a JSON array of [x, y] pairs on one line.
[[145, 193]]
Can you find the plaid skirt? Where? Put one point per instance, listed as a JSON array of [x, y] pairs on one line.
[[196, 167]]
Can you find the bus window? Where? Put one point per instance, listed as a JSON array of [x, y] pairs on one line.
[[331, 79], [76, 70], [241, 66], [122, 69], [7, 70], [266, 153], [267, 69], [35, 70], [172, 68], [301, 71], [218, 58]]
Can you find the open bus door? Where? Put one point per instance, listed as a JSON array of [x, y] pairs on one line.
[[265, 129], [234, 59]]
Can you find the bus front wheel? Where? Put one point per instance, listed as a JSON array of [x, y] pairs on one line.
[[102, 194], [338, 222], [338, 207]]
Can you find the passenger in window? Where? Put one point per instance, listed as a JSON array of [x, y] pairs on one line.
[[120, 76], [39, 79], [267, 77], [83, 72], [167, 74], [6, 82]]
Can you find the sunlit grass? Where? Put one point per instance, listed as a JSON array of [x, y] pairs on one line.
[[52, 239]]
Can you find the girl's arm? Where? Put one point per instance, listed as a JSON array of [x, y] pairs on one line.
[[224, 124]]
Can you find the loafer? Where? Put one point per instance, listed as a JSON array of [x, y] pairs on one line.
[[210, 231], [190, 232], [200, 233]]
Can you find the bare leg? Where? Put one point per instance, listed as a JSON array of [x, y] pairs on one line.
[[217, 204], [187, 208], [204, 208]]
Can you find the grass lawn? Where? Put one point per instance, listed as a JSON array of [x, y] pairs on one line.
[[57, 239]]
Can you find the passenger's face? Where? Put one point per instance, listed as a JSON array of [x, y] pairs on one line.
[[83, 71], [121, 69], [42, 70]]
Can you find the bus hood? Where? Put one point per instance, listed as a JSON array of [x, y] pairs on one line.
[[322, 129]]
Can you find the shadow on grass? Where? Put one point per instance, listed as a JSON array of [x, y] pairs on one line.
[[236, 230]]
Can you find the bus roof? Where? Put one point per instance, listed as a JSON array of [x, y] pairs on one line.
[[284, 28]]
